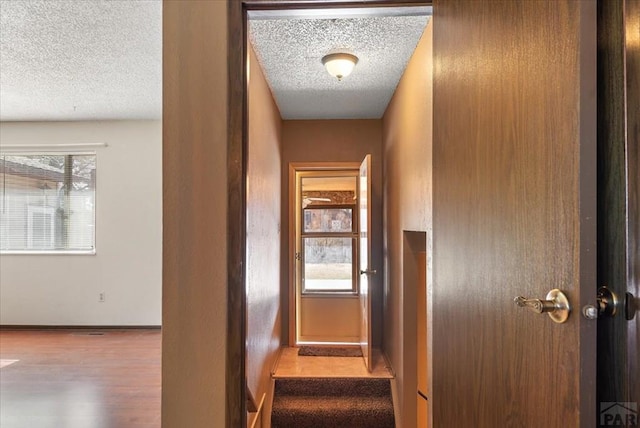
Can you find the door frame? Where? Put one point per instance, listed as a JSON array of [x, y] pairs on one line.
[[618, 198], [237, 145], [236, 163], [295, 167]]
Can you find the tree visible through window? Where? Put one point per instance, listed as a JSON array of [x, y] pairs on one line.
[[47, 202]]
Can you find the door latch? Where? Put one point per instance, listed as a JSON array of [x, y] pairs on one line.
[[606, 305]]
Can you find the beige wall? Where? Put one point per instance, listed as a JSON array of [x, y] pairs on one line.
[[127, 265], [194, 299], [334, 141], [407, 130], [263, 233]]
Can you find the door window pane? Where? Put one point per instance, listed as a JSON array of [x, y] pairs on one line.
[[328, 264], [332, 220]]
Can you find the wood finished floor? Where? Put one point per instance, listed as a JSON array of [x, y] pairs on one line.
[[74, 379], [293, 365]]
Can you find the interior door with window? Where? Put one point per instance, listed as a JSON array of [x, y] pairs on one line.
[[514, 200]]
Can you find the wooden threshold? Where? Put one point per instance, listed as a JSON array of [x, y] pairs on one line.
[[292, 365]]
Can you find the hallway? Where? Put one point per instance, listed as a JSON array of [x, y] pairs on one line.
[[503, 184]]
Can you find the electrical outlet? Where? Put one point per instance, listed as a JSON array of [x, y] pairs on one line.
[[101, 297]]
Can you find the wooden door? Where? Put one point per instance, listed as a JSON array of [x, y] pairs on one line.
[[514, 173], [364, 230]]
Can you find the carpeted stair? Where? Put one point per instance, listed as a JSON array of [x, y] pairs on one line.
[[332, 403]]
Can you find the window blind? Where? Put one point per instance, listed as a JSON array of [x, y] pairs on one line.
[[47, 202]]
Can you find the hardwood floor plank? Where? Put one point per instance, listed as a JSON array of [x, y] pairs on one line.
[[76, 378]]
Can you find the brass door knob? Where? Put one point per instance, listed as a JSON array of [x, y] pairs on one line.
[[556, 305]]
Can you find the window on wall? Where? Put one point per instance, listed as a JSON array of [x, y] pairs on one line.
[[47, 202]]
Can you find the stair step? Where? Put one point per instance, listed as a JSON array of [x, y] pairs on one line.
[[315, 411], [334, 387]]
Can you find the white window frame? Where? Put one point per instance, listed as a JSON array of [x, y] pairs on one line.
[[81, 149]]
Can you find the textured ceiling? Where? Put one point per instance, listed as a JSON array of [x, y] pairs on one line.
[[290, 53], [99, 59], [79, 60]]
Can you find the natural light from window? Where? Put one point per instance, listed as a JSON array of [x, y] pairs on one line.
[[47, 202]]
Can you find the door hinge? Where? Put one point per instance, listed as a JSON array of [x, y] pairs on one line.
[[298, 256]]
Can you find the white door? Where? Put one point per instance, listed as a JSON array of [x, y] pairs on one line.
[[364, 200]]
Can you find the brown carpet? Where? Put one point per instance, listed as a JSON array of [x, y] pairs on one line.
[[332, 403], [329, 351]]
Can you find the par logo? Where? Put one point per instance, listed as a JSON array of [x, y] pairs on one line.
[[615, 414]]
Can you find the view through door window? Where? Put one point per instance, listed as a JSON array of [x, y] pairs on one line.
[[328, 235]]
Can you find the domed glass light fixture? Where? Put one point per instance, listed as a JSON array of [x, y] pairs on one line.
[[339, 65]]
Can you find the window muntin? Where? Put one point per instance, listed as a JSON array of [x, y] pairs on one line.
[[47, 202]]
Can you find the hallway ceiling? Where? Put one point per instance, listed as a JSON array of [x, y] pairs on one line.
[[80, 60], [102, 60], [290, 52]]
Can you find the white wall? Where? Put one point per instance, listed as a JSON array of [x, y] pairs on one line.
[[127, 266]]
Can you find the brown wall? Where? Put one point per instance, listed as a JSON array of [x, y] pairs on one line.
[[406, 136], [263, 232], [194, 283], [334, 141]]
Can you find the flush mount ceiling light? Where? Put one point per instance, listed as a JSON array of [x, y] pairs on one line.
[[339, 65]]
